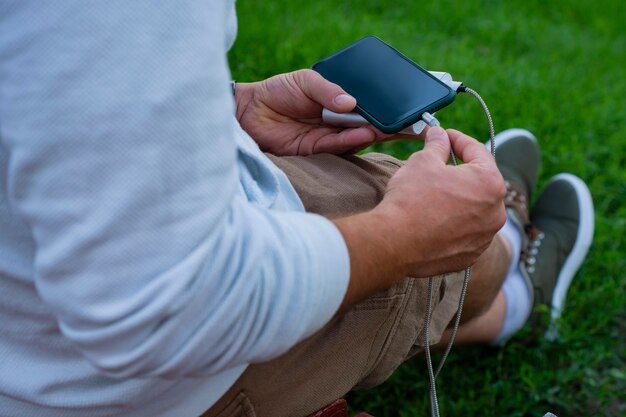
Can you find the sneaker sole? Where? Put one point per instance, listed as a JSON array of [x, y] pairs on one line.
[[584, 237], [507, 135]]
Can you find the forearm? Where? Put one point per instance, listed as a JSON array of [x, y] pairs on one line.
[[434, 218], [376, 261]]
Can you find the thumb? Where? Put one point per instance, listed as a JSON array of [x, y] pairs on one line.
[[438, 143], [324, 92]]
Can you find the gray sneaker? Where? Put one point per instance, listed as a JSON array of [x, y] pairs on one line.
[[518, 158], [560, 234]]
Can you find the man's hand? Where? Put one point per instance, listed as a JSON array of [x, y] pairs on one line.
[[435, 218], [283, 114], [451, 213]]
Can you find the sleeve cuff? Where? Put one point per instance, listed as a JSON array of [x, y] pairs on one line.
[[330, 263]]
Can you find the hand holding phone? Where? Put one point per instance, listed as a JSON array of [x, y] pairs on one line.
[[283, 115]]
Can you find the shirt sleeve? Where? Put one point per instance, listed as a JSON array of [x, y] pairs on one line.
[[117, 117]]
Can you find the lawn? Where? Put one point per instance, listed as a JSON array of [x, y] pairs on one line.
[[555, 68]]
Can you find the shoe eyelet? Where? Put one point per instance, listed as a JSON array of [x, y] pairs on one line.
[[531, 269], [531, 261], [534, 251]]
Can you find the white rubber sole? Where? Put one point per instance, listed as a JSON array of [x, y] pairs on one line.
[[507, 135], [574, 260]]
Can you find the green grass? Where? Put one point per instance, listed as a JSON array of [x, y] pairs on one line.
[[555, 68]]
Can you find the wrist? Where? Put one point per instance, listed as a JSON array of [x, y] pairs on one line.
[[400, 242], [375, 264]]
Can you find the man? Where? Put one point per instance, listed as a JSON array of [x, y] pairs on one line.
[[153, 261]]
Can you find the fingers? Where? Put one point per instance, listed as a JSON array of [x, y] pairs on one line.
[[346, 140], [474, 153], [322, 91], [438, 144], [468, 149]]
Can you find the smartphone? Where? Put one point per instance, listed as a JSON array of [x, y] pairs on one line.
[[391, 91]]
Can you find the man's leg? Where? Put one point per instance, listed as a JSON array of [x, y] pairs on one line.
[[484, 308], [363, 346], [488, 273]]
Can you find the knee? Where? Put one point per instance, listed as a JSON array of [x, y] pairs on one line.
[[487, 276]]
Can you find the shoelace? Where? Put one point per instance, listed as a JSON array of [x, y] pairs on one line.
[[516, 200], [514, 197], [529, 254]]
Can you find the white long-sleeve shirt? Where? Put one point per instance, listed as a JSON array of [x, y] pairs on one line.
[[148, 250]]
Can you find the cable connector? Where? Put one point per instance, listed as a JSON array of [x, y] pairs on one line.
[[430, 120]]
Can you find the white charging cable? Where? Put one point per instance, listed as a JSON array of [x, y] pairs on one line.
[[356, 120], [432, 376]]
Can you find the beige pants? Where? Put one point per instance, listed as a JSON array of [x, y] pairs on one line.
[[361, 348]]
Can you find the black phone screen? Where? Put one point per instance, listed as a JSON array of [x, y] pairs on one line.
[[385, 83]]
